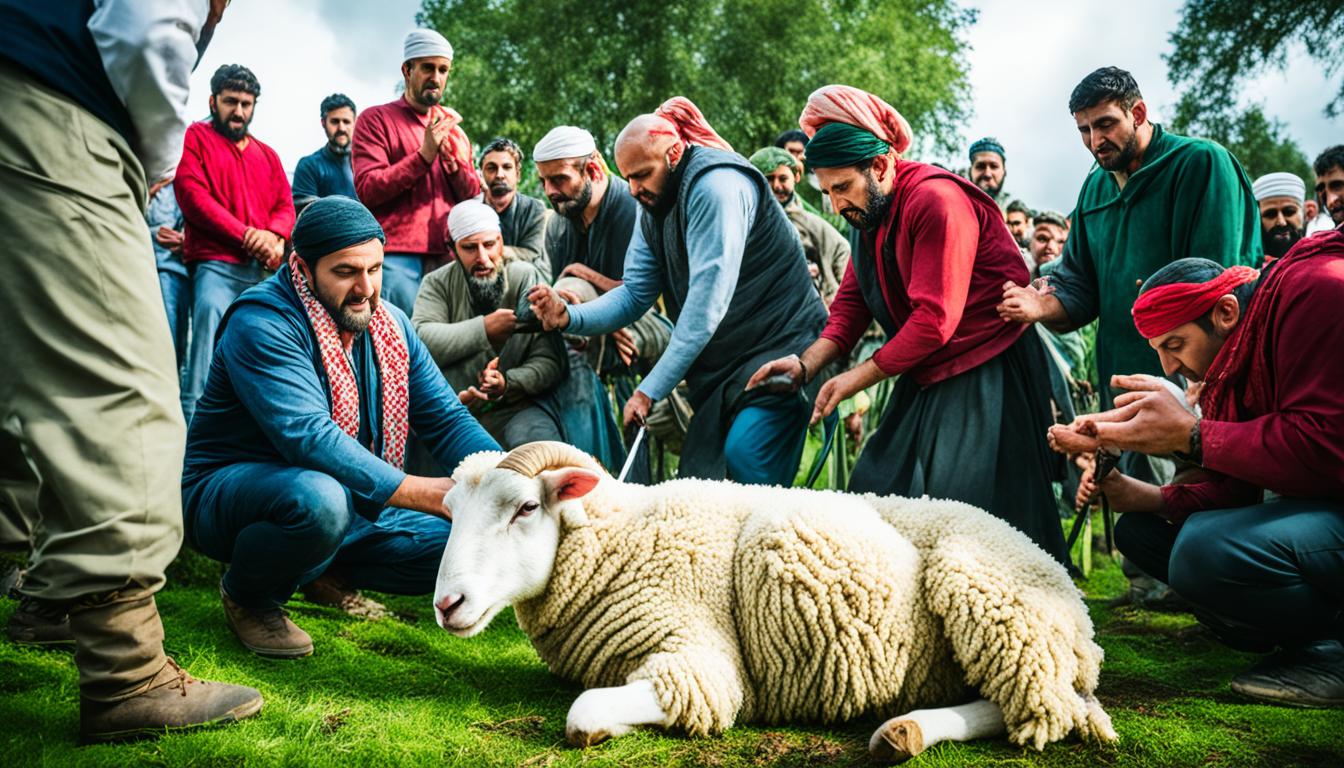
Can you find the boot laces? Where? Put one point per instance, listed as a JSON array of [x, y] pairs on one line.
[[184, 677]]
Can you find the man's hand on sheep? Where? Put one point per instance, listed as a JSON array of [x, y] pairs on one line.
[[549, 307], [423, 494], [845, 386], [636, 409]]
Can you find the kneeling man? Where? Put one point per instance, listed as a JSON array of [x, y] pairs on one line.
[[1257, 543], [464, 314], [294, 457]]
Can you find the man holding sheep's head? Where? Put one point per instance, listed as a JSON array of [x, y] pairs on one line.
[[294, 458]]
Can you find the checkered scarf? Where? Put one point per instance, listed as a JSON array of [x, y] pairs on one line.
[[393, 366]]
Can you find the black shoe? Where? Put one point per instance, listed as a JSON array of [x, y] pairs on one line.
[[40, 623], [1304, 676]]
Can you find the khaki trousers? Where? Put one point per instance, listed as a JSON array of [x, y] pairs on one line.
[[88, 384]]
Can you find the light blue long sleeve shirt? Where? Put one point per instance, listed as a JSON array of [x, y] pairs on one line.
[[720, 210]]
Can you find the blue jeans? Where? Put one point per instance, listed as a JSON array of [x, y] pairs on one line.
[[176, 290], [765, 442], [401, 280], [279, 527], [1260, 576], [215, 284]]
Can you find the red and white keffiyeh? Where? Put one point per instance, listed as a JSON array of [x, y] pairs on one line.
[[393, 368]]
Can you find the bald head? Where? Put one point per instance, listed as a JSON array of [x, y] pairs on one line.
[[647, 149]]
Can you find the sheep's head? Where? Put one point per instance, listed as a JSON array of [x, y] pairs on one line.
[[507, 520]]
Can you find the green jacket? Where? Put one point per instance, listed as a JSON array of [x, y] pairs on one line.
[[454, 333], [1190, 197], [822, 245]]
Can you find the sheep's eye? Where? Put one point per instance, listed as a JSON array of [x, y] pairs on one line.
[[526, 509]]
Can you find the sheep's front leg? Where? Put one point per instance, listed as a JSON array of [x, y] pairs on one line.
[[605, 713], [901, 738]]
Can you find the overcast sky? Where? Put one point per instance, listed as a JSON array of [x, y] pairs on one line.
[[1025, 59]]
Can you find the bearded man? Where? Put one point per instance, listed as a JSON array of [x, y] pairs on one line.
[[967, 415], [714, 243], [412, 164], [1018, 217], [328, 171], [465, 316], [294, 460], [1255, 540], [237, 209], [989, 167], [522, 219], [1280, 196], [827, 250]]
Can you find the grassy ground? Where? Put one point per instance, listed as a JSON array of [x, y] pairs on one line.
[[402, 692]]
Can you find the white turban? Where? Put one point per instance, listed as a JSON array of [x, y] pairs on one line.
[[471, 217], [563, 142], [1280, 184], [421, 43]]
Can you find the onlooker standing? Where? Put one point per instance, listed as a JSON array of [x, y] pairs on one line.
[[412, 163], [164, 218], [238, 211], [88, 390], [327, 171], [522, 219]]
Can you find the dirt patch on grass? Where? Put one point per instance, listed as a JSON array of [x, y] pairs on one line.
[[332, 721], [776, 748], [519, 727]]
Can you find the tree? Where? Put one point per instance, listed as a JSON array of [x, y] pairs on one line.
[[1260, 143], [524, 67], [1219, 43]]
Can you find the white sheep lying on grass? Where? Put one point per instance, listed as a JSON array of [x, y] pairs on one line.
[[694, 605]]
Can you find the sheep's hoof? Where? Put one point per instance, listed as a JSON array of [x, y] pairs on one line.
[[585, 739], [896, 741]]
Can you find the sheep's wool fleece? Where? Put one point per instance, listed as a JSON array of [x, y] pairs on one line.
[[774, 605]]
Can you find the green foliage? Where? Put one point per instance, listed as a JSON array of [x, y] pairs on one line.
[[1261, 144], [400, 691], [523, 67], [1220, 43]]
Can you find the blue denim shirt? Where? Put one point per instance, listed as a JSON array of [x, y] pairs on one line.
[[267, 399], [163, 212]]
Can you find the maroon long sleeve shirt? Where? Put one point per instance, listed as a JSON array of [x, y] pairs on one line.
[[952, 255], [409, 197], [1295, 448], [222, 190]]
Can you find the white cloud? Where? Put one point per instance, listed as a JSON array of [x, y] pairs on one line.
[[1025, 60]]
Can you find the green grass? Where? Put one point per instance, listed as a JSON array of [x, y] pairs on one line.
[[402, 692]]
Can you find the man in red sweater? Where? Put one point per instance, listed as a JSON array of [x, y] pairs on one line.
[[238, 211], [967, 417], [412, 163], [1256, 543]]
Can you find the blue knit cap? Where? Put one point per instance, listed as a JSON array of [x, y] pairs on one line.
[[329, 224], [987, 144]]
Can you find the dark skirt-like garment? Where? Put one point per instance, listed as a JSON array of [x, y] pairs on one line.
[[978, 437]]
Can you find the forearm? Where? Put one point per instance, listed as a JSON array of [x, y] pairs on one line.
[[423, 494], [820, 354], [612, 311], [450, 342]]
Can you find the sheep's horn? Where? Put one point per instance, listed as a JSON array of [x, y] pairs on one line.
[[532, 459]]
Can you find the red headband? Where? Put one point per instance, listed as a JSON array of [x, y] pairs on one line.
[[1166, 307]]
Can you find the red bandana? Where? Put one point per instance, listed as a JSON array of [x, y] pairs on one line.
[[1167, 307], [393, 366]]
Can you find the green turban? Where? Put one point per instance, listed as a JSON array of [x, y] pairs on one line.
[[768, 159], [838, 145]]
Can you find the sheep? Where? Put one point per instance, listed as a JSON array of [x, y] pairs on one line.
[[694, 605]]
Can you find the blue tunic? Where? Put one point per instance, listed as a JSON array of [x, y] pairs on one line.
[[267, 399], [322, 174]]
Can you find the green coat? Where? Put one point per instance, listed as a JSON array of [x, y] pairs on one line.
[[823, 245], [454, 333], [1190, 197]]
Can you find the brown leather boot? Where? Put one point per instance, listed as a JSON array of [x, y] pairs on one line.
[[40, 623], [332, 589], [267, 633], [172, 700]]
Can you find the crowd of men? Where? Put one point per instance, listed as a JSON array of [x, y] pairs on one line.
[[336, 345]]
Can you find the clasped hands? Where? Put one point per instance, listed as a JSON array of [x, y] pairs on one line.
[[264, 246], [490, 385]]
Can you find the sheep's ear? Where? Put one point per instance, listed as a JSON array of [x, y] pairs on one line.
[[569, 483]]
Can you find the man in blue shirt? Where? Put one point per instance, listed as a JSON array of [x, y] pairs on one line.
[[164, 218], [293, 462], [730, 268], [327, 171]]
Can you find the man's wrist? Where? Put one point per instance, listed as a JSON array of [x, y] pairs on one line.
[[802, 367], [1194, 450]]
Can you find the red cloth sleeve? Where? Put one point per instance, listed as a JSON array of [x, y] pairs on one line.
[[1217, 492], [850, 316], [198, 204], [378, 179], [945, 234]]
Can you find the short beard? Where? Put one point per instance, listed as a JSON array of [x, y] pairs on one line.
[[574, 207], [423, 100], [349, 320], [1121, 160], [485, 294], [339, 149], [1279, 240], [227, 131], [993, 190], [873, 212], [1023, 242]]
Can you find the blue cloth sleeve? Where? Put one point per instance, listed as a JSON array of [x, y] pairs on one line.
[[272, 374], [720, 210], [305, 180]]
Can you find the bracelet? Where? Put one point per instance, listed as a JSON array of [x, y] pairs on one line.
[[1196, 453], [802, 366]]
